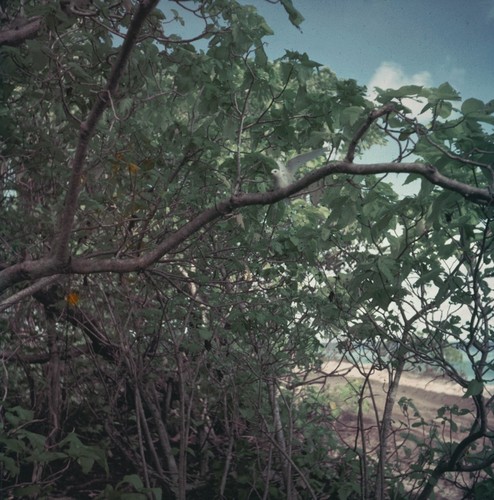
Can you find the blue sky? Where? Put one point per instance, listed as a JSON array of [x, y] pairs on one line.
[[390, 43]]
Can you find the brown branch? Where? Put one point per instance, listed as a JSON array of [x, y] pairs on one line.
[[19, 31], [377, 113], [229, 205], [26, 292], [60, 245], [32, 270], [41, 357], [53, 297]]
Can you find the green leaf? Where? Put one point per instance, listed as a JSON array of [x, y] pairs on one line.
[[429, 277], [351, 115], [247, 413], [445, 91], [260, 56], [472, 106], [405, 91], [134, 480], [453, 425], [411, 178], [86, 464], [9, 465], [37, 441], [444, 109], [12, 445], [276, 213], [294, 15], [481, 117], [157, 493], [18, 415], [205, 333], [474, 388]]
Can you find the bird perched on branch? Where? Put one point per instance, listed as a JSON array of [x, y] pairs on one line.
[[284, 175]]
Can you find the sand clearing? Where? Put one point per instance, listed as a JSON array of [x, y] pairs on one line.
[[426, 392], [436, 384]]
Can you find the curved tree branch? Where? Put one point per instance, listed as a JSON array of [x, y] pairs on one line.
[[36, 269], [373, 116]]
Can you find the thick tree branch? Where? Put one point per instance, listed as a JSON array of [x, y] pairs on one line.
[[26, 292], [20, 30], [31, 270], [60, 245]]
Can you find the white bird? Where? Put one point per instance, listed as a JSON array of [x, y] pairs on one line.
[[284, 175]]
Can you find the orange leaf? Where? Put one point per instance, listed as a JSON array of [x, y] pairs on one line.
[[72, 298], [133, 168]]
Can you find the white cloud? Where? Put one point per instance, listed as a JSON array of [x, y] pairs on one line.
[[390, 75]]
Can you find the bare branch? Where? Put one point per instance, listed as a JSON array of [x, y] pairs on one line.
[[42, 357], [18, 32], [17, 297], [377, 113], [60, 251]]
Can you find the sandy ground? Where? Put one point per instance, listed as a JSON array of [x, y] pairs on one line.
[[425, 392], [426, 382]]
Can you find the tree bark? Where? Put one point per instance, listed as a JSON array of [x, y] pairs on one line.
[[20, 30]]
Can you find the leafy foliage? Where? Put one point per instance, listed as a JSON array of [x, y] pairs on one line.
[[166, 319]]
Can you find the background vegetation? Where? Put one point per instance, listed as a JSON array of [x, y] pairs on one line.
[[166, 315]]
